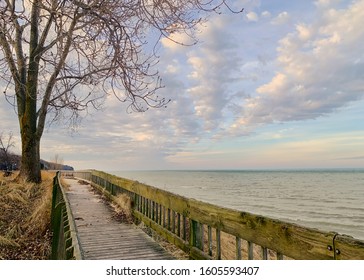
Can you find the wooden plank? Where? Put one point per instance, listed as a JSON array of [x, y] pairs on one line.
[[196, 235], [92, 247], [179, 224], [123, 254], [156, 219], [102, 237], [184, 220], [265, 253], [169, 219], [173, 222], [250, 251], [291, 240], [218, 244], [209, 240], [116, 248], [130, 257], [197, 254], [103, 242], [238, 248], [348, 248], [202, 234], [153, 210]]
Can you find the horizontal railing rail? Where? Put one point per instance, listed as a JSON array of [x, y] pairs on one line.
[[207, 231], [65, 243]]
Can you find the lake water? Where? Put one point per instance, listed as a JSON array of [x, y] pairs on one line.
[[329, 200]]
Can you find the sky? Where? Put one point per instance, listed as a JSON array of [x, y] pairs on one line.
[[278, 86]]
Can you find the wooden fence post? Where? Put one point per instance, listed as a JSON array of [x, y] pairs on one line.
[[196, 235]]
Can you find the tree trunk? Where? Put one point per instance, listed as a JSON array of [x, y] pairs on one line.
[[30, 160]]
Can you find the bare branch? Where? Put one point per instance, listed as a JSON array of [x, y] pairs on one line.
[[84, 50], [6, 143]]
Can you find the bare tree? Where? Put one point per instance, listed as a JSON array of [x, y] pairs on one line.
[[6, 143], [56, 162], [60, 57]]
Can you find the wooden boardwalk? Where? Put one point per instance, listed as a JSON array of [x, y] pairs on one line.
[[102, 237]]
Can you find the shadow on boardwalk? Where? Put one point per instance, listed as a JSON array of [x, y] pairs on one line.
[[102, 237]]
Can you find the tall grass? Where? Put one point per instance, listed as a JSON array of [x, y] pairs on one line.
[[122, 205], [25, 218]]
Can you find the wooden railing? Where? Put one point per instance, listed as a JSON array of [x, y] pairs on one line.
[[65, 244], [207, 231]]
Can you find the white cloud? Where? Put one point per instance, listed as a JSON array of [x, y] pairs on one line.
[[266, 14], [251, 16], [321, 68], [214, 65], [177, 41], [322, 3], [304, 32], [325, 3], [282, 18], [173, 67], [276, 85]]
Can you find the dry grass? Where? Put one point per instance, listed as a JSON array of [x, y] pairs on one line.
[[25, 218], [121, 204], [7, 242], [124, 206]]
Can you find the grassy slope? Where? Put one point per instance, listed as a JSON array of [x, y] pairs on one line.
[[25, 218]]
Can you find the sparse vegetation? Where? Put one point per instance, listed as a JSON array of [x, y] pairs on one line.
[[8, 160], [25, 218], [123, 208]]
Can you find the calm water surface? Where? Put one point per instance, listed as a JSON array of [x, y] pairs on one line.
[[326, 200]]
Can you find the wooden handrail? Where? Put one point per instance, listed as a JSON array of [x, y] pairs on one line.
[[196, 227], [65, 243]]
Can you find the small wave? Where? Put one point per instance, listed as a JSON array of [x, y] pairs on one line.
[[350, 208]]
